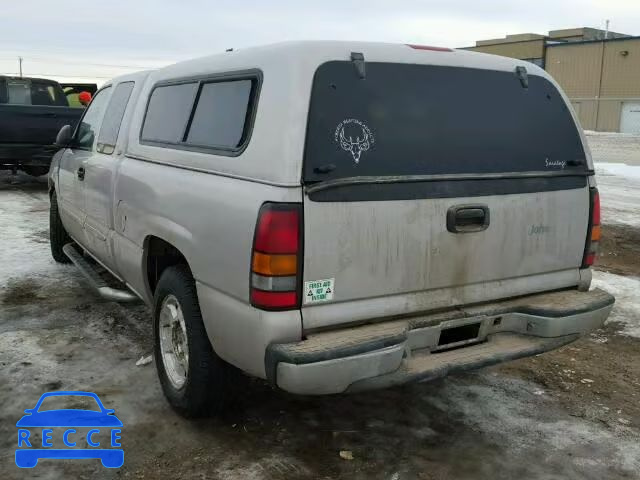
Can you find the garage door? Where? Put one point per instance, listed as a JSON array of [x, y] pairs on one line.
[[630, 117]]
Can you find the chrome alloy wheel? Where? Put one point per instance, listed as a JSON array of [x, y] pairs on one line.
[[174, 346]]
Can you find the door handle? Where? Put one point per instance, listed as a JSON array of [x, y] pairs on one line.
[[468, 218], [80, 173]]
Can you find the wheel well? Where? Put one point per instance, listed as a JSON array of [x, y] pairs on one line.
[[161, 255]]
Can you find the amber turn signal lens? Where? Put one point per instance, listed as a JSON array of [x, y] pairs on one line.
[[266, 264], [595, 233]]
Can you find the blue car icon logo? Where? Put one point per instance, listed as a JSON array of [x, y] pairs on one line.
[[73, 428]]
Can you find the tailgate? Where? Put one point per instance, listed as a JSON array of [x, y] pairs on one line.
[[425, 181]]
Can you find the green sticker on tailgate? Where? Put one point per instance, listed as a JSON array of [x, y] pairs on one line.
[[319, 290]]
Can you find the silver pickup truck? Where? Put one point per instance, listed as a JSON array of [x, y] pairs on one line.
[[333, 216]]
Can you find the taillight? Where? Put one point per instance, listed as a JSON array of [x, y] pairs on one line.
[[276, 257], [593, 236]]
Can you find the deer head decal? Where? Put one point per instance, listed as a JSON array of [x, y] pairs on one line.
[[357, 146]]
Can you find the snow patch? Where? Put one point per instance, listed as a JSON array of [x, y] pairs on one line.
[[499, 409], [593, 133], [619, 184], [614, 147], [621, 169], [26, 253], [627, 307]]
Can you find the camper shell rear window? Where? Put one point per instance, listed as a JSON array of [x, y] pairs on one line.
[[421, 120]]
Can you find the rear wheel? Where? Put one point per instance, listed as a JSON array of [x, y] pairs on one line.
[[194, 379], [58, 236]]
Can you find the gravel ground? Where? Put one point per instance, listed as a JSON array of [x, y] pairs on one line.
[[614, 147], [572, 413]]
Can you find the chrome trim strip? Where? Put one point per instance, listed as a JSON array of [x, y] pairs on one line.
[[370, 180]]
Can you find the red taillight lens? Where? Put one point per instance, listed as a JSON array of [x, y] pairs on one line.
[[276, 257], [589, 259], [595, 207], [277, 231], [273, 300], [593, 237]]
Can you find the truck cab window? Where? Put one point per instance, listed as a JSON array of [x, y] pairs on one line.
[[19, 93], [113, 118], [30, 92], [42, 95], [90, 123]]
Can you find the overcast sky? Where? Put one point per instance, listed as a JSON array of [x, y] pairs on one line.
[[99, 39]]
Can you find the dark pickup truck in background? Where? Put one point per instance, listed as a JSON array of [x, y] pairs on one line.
[[32, 111]]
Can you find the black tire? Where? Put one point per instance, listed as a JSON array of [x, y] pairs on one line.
[[208, 386], [58, 236]]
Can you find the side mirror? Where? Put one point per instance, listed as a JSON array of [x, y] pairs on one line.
[[29, 410], [64, 136]]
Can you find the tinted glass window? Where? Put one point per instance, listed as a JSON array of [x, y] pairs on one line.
[[220, 115], [42, 94], [19, 93], [423, 120], [113, 117], [30, 92], [90, 123], [168, 112]]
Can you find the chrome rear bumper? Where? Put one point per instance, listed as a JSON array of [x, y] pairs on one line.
[[432, 346]]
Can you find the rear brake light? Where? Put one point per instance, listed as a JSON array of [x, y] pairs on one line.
[[273, 300], [595, 206], [427, 47], [594, 231], [276, 257], [277, 229]]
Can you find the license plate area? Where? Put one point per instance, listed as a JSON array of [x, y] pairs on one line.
[[458, 336]]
